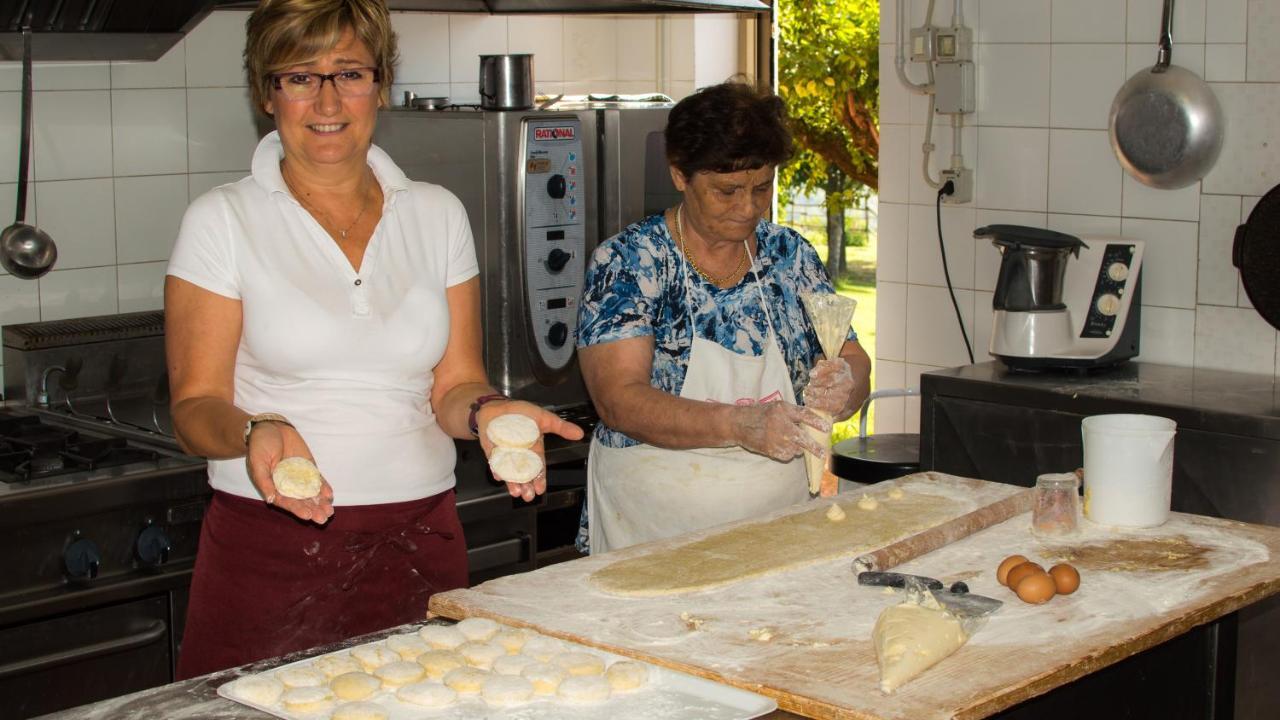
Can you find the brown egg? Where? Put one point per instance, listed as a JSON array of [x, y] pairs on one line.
[[1009, 563], [1035, 588], [1027, 568], [1065, 578]]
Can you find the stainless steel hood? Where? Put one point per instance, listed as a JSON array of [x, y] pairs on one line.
[[562, 6], [97, 30]]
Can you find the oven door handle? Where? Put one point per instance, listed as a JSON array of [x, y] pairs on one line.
[[156, 630]]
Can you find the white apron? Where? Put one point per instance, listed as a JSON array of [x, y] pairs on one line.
[[643, 493]]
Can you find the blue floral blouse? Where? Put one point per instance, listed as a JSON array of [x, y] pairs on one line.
[[636, 283]]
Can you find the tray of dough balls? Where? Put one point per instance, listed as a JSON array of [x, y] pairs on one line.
[[479, 668]]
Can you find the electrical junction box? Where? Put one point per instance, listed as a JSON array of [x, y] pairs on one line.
[[953, 88], [923, 43], [953, 44]]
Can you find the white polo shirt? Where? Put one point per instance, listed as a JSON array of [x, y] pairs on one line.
[[346, 356]]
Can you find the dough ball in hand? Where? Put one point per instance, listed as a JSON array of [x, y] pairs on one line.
[[297, 477], [517, 465], [513, 430]]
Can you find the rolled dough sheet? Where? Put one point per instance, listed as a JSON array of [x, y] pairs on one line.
[[781, 544]]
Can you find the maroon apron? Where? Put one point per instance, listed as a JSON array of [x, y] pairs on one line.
[[267, 584]]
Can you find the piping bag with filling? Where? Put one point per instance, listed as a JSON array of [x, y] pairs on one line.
[[917, 634], [831, 316]]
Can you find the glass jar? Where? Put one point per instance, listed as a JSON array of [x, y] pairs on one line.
[[1057, 504]]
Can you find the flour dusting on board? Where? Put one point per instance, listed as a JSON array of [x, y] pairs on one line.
[[809, 629]]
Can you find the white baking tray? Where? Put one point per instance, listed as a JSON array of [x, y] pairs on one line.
[[669, 695]]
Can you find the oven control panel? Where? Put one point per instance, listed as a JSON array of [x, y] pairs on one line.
[[554, 226]]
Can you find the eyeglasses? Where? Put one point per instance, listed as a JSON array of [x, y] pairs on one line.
[[351, 82]]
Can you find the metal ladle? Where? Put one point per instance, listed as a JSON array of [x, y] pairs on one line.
[[25, 250]]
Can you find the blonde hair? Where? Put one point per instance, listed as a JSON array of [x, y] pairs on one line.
[[282, 33]]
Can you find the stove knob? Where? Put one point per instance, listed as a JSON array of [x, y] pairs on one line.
[[1118, 271], [557, 259], [556, 186], [82, 560], [557, 334], [153, 546], [1108, 304]]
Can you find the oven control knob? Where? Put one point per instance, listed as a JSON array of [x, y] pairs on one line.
[[153, 546], [557, 259], [82, 559], [1108, 304], [1118, 271], [556, 186], [557, 334]]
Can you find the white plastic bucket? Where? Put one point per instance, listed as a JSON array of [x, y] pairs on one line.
[[1128, 469]]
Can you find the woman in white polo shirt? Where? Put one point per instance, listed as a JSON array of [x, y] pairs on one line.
[[325, 307]]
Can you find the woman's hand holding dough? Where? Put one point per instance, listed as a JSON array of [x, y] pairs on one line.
[[830, 389], [507, 431], [777, 429], [269, 443]]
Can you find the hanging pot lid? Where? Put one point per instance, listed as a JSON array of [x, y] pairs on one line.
[[1256, 252]]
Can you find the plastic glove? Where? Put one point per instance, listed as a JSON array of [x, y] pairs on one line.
[[830, 389], [777, 429]]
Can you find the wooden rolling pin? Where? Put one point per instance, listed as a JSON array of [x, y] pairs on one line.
[[944, 534]]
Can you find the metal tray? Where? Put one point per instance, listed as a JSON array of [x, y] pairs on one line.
[[669, 695]]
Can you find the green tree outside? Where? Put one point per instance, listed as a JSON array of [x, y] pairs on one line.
[[829, 74]]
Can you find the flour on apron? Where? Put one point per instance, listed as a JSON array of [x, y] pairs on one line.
[[643, 493]]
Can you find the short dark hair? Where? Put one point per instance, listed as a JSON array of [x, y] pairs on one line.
[[726, 128]]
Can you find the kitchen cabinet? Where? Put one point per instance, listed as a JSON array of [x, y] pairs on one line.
[[986, 421]]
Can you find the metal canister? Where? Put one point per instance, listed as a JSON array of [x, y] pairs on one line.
[[506, 82]]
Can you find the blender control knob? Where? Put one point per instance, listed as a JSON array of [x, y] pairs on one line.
[[153, 546], [558, 334], [1118, 271], [556, 186], [557, 259], [82, 559], [1108, 304]]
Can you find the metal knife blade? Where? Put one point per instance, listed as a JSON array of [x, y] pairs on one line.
[[958, 603], [895, 580], [967, 604]]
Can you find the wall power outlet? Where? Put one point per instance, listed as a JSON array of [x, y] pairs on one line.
[[962, 180]]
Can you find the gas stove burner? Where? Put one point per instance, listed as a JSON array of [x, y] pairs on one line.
[[31, 449]]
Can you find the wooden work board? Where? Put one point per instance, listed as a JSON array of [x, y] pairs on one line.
[[802, 635]]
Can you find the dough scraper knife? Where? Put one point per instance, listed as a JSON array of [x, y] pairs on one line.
[[956, 599]]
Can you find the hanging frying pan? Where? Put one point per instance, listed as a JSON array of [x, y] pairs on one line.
[[1256, 252], [1165, 123]]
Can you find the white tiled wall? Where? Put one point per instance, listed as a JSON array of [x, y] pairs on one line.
[[121, 148], [1046, 73]]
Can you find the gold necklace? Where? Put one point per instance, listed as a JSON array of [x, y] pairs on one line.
[[364, 205], [717, 281]]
